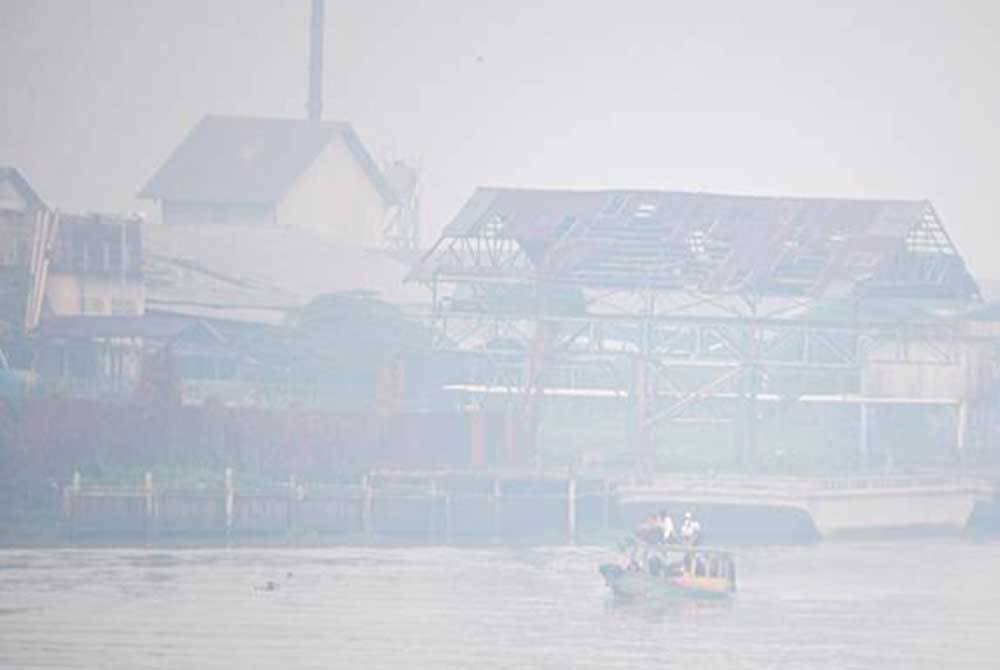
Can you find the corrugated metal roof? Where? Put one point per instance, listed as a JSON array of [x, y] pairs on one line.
[[709, 242], [85, 327], [193, 270], [242, 160], [21, 186]]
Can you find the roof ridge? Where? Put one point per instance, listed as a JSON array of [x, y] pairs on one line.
[[695, 193], [252, 160], [273, 119]]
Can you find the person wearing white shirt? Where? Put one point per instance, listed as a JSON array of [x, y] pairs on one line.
[[690, 529], [669, 532]]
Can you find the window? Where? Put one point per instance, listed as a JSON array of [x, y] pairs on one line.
[[697, 246], [494, 227]]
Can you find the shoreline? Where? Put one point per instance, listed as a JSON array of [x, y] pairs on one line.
[[60, 541]]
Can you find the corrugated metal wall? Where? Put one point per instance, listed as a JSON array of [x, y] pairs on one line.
[[63, 434]]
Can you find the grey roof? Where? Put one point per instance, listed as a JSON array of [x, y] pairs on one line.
[[243, 160], [83, 327], [710, 242], [22, 185]]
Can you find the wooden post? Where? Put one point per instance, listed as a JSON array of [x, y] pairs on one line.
[[290, 507], [496, 507], [71, 495], [432, 509], [447, 517], [151, 525], [367, 506], [571, 508], [606, 506], [962, 427], [230, 495], [863, 449]]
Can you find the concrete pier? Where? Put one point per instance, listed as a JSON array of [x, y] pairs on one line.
[[853, 506]]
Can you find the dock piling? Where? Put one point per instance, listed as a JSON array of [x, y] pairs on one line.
[[367, 506], [496, 507], [151, 515], [290, 503], [230, 495], [571, 508]]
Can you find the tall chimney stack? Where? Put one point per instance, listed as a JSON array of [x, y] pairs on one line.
[[314, 106]]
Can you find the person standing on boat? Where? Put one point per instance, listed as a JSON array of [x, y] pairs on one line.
[[650, 530], [667, 526], [690, 530]]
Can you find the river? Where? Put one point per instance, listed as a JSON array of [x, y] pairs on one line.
[[900, 604]]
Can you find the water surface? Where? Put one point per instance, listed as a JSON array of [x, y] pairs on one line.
[[832, 605]]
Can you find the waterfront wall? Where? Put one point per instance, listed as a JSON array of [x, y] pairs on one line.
[[441, 507], [456, 506]]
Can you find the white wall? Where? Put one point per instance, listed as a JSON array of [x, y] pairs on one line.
[[335, 197], [184, 214]]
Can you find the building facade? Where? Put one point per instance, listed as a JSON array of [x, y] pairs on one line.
[[259, 172], [96, 267]]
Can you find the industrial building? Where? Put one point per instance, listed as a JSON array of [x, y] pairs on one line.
[[714, 331]]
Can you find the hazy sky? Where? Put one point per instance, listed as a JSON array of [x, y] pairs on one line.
[[865, 98]]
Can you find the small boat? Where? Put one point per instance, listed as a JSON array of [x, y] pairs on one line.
[[668, 571]]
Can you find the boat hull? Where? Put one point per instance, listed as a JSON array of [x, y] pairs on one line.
[[629, 585]]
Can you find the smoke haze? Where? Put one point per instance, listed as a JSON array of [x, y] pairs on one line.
[[879, 99]]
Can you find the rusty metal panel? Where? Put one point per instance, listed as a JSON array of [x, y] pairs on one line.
[[63, 434]]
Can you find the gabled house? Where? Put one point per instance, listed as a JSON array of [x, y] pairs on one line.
[[95, 267], [21, 210], [90, 331], [19, 204], [110, 356], [267, 172]]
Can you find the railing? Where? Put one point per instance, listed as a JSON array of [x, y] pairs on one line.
[[437, 506]]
